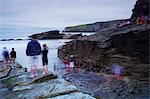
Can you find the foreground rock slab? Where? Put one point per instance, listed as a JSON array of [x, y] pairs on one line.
[[4, 70], [19, 85], [47, 86], [105, 86]]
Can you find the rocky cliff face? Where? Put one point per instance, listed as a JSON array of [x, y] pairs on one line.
[[126, 45], [94, 27], [141, 7]]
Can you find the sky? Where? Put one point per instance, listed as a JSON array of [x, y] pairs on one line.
[[42, 15]]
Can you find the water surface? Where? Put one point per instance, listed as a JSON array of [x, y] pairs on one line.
[[20, 48]]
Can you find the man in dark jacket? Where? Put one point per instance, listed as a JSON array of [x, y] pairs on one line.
[[33, 51]]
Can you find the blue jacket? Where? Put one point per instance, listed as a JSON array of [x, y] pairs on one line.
[[33, 48]]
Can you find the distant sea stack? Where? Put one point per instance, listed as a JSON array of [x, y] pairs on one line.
[[55, 34]]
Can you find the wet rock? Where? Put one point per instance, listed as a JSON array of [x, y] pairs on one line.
[[4, 71], [18, 85], [76, 95], [48, 86], [104, 86], [3, 92], [49, 89], [119, 89], [44, 78], [85, 82]]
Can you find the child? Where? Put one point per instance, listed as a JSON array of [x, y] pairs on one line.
[[71, 62], [13, 55], [67, 63], [117, 70], [45, 58]]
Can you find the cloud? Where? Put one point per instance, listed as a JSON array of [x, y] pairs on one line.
[[62, 13]]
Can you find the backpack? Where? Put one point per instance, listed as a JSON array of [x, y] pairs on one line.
[[6, 54]]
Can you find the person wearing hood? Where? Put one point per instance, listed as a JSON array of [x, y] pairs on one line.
[[33, 50]]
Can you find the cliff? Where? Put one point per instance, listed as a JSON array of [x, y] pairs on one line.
[[94, 27], [141, 8], [127, 45]]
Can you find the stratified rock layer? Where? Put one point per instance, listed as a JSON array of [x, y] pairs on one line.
[[19, 85]]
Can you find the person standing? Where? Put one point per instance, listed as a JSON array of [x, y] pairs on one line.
[[67, 63], [33, 50], [45, 58], [71, 62], [13, 56], [5, 54]]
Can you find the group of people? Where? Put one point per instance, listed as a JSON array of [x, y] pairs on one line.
[[33, 50], [142, 20], [9, 57]]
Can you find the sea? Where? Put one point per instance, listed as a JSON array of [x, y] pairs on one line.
[[20, 48]]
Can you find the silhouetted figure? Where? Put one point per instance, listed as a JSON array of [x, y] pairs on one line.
[[13, 56], [33, 51], [45, 58]]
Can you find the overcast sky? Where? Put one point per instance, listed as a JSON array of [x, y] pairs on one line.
[[47, 14]]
